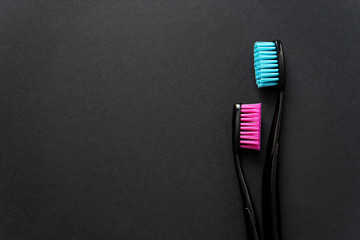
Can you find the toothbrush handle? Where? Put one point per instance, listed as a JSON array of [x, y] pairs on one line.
[[252, 226], [271, 199]]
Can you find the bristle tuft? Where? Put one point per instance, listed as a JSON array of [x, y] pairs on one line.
[[266, 64], [250, 126]]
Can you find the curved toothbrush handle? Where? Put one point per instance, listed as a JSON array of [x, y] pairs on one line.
[[271, 199], [252, 226], [252, 229]]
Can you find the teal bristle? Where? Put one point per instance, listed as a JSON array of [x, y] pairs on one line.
[[266, 64]]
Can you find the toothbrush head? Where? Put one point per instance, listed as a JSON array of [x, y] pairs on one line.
[[247, 126], [269, 64]]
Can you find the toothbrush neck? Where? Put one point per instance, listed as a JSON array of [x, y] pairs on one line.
[[276, 125]]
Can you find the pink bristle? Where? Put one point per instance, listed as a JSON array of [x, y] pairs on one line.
[[250, 126], [254, 105], [245, 135], [248, 110], [251, 119], [249, 115], [257, 147]]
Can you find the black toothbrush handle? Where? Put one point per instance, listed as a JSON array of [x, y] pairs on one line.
[[271, 198], [270, 185], [252, 227]]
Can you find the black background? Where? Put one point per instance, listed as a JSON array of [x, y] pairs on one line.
[[115, 117]]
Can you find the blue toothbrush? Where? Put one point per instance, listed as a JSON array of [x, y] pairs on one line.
[[269, 63]]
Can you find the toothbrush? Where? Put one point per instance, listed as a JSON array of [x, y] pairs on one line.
[[269, 62], [246, 135]]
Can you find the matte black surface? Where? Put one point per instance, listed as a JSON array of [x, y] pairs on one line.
[[115, 118]]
